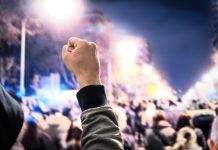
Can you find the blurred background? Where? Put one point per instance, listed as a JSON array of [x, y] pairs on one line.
[[151, 51], [170, 39]]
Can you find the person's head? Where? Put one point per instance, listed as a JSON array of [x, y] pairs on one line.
[[36, 79], [183, 121], [31, 131], [74, 138], [186, 139], [74, 133], [213, 140], [203, 106], [159, 116], [204, 123], [216, 111], [9, 60]]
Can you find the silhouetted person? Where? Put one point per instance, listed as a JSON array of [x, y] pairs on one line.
[[11, 120]]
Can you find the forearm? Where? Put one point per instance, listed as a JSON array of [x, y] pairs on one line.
[[100, 127]]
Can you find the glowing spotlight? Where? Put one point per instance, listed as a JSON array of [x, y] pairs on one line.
[[60, 10], [199, 85], [127, 49], [214, 73], [147, 69], [207, 78]]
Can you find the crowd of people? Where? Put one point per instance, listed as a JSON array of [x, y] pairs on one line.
[[169, 125], [91, 123], [145, 125]]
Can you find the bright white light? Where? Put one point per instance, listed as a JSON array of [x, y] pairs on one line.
[[127, 50], [199, 85], [207, 78], [190, 94], [147, 69], [61, 10], [214, 73]]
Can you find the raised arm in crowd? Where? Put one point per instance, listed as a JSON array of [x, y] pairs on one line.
[[100, 127]]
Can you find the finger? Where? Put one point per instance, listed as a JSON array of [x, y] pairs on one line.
[[73, 41], [92, 44], [70, 49]]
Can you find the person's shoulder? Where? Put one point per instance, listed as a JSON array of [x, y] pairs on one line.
[[11, 118]]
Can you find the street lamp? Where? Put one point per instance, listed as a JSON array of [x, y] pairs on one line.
[[22, 58]]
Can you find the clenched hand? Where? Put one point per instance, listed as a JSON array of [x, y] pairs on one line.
[[81, 58]]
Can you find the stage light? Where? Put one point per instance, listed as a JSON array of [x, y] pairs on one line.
[[207, 78], [189, 95], [214, 73], [147, 69], [199, 85], [127, 50]]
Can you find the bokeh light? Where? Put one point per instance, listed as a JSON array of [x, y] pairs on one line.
[[60, 11], [127, 49]]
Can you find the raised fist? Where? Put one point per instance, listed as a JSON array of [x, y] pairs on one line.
[[81, 58]]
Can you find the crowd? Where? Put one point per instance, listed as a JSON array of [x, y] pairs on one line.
[[145, 125], [142, 124], [170, 125]]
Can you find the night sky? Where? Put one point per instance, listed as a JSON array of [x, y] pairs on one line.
[[179, 32]]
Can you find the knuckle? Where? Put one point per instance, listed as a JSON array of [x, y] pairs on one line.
[[93, 45], [74, 41], [71, 39], [85, 42], [81, 42]]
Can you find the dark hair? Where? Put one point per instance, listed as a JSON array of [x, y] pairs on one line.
[[204, 123], [183, 121], [187, 136], [203, 106], [216, 111], [74, 133], [158, 117], [31, 132]]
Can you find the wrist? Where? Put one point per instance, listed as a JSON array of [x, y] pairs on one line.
[[91, 97], [84, 83]]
